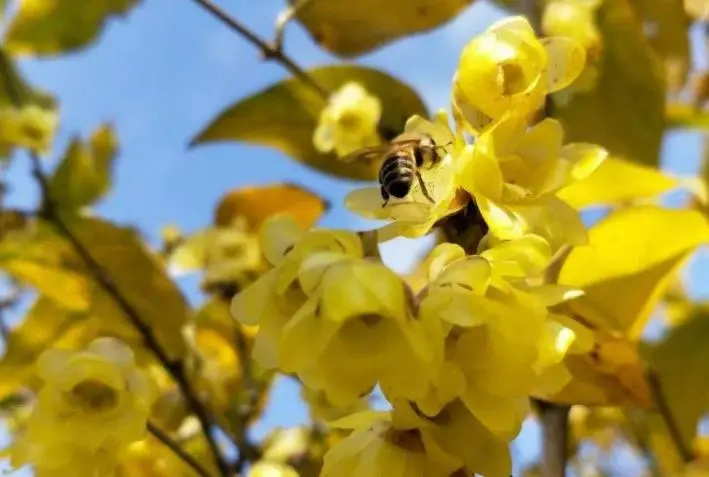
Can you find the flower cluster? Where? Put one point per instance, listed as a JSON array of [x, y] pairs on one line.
[[93, 406], [511, 172], [458, 359], [474, 343]]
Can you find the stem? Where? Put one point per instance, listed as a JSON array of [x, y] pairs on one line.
[[270, 52], [51, 214], [179, 451], [284, 18], [554, 421], [663, 408]]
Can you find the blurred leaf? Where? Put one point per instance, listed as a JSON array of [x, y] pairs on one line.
[[679, 361], [34, 124], [351, 28], [632, 254], [35, 258], [613, 373], [611, 115], [651, 434], [256, 204], [617, 180], [46, 325], [284, 117], [83, 176], [686, 116], [51, 27], [138, 276], [667, 31]]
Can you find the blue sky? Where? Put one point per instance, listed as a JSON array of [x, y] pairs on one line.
[[161, 73]]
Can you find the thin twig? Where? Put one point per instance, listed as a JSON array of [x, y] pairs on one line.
[[160, 435], [284, 18], [658, 396], [270, 52], [50, 213], [247, 450]]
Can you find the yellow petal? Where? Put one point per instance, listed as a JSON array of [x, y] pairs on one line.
[[278, 235], [518, 24], [481, 174], [467, 116], [555, 294], [313, 268], [503, 417], [567, 60], [442, 256], [583, 158], [472, 274], [502, 221], [542, 142], [368, 202], [249, 305], [361, 420], [531, 253], [554, 220]]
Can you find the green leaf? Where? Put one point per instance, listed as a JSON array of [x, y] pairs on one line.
[[34, 123], [138, 276], [679, 361], [350, 28], [51, 27], [686, 116], [631, 257], [284, 116], [611, 115], [84, 175]]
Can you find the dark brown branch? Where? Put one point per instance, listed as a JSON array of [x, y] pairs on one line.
[[51, 214], [177, 450], [554, 420], [270, 52], [658, 396]]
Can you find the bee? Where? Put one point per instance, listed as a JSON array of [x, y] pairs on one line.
[[403, 159]]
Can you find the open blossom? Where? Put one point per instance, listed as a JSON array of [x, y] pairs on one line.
[[272, 300], [414, 215], [358, 329], [508, 68], [500, 339], [514, 173], [404, 443], [349, 121], [93, 405]]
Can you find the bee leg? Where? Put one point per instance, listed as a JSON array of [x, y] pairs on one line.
[[385, 196], [424, 190]]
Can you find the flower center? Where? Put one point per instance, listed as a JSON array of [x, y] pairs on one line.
[[511, 77], [95, 396], [409, 439]]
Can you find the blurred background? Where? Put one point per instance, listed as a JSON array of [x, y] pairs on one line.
[[160, 74]]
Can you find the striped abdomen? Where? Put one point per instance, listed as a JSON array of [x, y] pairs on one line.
[[396, 175]]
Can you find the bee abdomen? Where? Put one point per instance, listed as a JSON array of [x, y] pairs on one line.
[[396, 175]]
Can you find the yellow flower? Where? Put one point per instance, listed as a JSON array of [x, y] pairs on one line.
[[508, 68], [697, 9], [271, 469], [94, 404], [349, 121], [499, 342], [514, 173], [273, 299], [574, 19], [321, 409], [359, 328], [414, 215], [404, 443]]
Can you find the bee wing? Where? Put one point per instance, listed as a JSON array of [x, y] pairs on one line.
[[369, 154]]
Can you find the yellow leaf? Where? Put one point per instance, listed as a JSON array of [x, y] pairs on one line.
[[651, 434], [350, 28], [611, 374], [33, 125], [46, 325], [686, 116], [284, 117], [617, 180], [35, 258], [611, 115], [630, 259], [83, 176], [679, 362], [51, 27], [257, 203], [139, 278]]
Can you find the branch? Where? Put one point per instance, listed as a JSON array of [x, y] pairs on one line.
[[179, 451], [658, 396], [270, 52], [51, 214], [284, 18], [554, 422]]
